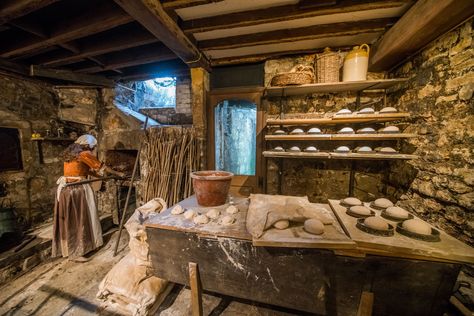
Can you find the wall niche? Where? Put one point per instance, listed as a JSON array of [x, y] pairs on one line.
[[10, 159]]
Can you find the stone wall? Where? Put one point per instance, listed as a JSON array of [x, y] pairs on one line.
[[439, 186]]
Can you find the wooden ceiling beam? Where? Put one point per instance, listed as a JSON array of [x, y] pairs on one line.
[[180, 4], [160, 69], [102, 18], [282, 13], [102, 45], [297, 34], [13, 9], [152, 16], [66, 75], [132, 57], [421, 24]]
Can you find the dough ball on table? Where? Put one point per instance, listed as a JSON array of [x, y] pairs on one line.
[[397, 212], [314, 226], [232, 210], [351, 201], [382, 203], [360, 210], [178, 209], [201, 219], [227, 220], [213, 213], [318, 213], [417, 226], [189, 214], [281, 224], [376, 222]]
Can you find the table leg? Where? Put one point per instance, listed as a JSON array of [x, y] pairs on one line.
[[196, 290], [366, 304]]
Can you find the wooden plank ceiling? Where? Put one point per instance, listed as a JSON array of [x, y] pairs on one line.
[[139, 39]]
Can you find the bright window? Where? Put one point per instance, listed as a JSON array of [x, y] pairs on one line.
[[157, 93]]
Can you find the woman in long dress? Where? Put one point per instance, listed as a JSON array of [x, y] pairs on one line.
[[76, 226]]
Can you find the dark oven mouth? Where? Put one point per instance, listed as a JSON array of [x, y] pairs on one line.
[[122, 160]]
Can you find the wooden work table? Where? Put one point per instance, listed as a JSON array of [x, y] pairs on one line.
[[321, 281]]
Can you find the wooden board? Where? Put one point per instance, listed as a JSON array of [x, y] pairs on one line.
[[295, 236], [333, 87], [166, 220], [448, 248], [331, 155], [341, 119], [340, 137]]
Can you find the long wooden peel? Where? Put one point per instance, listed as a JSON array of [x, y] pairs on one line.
[[129, 191]]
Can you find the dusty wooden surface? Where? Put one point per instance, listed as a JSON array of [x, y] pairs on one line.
[[295, 236], [166, 220], [448, 249]]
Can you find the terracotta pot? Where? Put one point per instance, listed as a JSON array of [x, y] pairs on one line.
[[211, 186]]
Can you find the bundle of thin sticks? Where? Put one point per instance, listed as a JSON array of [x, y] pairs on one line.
[[170, 154]]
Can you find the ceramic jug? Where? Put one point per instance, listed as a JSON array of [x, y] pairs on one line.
[[356, 63]]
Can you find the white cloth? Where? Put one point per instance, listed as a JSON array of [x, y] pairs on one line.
[[87, 139], [62, 181]]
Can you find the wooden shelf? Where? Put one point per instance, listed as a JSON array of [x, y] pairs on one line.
[[340, 137], [332, 155], [332, 87], [53, 139], [342, 119]]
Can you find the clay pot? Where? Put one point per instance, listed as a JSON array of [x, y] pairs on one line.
[[211, 186]]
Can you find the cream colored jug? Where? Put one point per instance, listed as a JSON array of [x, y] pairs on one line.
[[356, 63]]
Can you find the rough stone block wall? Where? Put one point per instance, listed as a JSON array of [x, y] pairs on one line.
[[320, 179], [439, 186]]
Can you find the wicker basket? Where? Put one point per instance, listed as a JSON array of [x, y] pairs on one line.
[[298, 75], [327, 66]]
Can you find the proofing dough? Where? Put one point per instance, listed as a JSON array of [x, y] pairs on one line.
[[311, 149], [366, 111], [352, 201], [397, 212], [314, 130], [376, 222], [388, 109], [382, 203], [295, 148], [279, 132], [178, 209], [314, 226], [201, 219], [227, 220], [344, 111], [346, 130], [360, 210], [278, 148], [281, 224], [417, 226], [189, 214], [232, 210], [342, 149], [366, 130], [297, 131], [213, 213]]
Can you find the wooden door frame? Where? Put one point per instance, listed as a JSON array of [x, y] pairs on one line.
[[251, 94]]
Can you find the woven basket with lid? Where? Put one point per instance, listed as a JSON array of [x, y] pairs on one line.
[[327, 65]]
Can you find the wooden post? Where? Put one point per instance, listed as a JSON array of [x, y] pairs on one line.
[[366, 304], [196, 291], [199, 90]]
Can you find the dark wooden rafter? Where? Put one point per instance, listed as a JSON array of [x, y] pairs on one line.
[[298, 34], [132, 57], [282, 13], [122, 39], [12, 9], [424, 22], [152, 16], [179, 4], [66, 75], [103, 17]]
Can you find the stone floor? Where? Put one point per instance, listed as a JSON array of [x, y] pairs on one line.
[[62, 287]]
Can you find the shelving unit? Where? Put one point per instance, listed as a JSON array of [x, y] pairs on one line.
[[342, 119], [339, 137], [332, 155]]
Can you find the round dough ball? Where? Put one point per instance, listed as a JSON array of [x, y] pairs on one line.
[[314, 226], [178, 209], [360, 210], [281, 224], [352, 201], [228, 220], [376, 222], [397, 212], [213, 213], [343, 149], [383, 203], [417, 226], [232, 210], [295, 148], [189, 214], [201, 219]]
